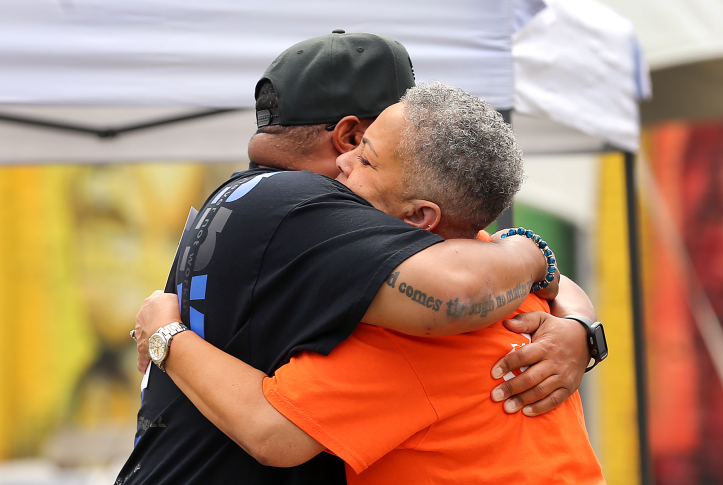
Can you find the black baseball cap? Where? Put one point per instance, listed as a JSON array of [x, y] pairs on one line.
[[323, 79]]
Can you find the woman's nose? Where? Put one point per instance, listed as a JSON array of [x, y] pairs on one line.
[[344, 163]]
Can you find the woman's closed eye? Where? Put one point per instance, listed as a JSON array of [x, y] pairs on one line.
[[363, 160]]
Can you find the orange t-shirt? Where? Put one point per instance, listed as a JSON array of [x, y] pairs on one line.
[[401, 409]]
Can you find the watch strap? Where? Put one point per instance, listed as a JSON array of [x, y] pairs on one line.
[[592, 345]]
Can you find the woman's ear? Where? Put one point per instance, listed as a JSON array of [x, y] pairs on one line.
[[423, 214], [348, 133]]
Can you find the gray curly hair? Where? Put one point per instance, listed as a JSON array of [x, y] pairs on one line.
[[460, 154]]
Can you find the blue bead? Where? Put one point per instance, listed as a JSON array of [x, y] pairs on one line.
[[550, 277], [512, 232], [520, 231], [544, 284], [536, 287], [529, 233], [536, 238], [503, 236], [542, 244], [551, 261], [548, 252], [551, 269]]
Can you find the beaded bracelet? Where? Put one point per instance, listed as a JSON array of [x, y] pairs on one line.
[[546, 252]]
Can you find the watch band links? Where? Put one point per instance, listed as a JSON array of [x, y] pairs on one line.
[[172, 329], [167, 332]]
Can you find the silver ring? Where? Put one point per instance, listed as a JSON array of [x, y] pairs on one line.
[[133, 334]]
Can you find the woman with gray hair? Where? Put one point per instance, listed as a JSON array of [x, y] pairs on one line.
[[453, 149]]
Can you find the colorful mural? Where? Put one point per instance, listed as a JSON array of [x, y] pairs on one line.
[[83, 246], [684, 264]]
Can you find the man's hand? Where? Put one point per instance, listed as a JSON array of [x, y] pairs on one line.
[[157, 310], [557, 356]]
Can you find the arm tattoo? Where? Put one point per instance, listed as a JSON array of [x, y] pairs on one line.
[[416, 295], [454, 307]]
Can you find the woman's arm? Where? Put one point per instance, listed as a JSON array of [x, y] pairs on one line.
[[226, 390], [458, 286]]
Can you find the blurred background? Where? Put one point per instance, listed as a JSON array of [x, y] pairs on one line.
[[115, 119]]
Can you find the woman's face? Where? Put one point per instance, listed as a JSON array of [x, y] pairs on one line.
[[373, 170]]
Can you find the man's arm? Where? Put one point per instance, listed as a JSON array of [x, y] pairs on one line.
[[557, 356], [458, 286], [226, 390]]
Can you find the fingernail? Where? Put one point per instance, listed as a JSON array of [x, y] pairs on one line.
[[527, 411], [497, 372], [498, 395], [511, 406]]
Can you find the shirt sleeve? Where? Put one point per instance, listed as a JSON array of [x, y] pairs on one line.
[[323, 267], [360, 402]]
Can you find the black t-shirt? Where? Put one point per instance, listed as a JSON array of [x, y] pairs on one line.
[[276, 262]]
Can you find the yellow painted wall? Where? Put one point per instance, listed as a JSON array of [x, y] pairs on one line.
[[45, 342], [81, 247], [615, 379]]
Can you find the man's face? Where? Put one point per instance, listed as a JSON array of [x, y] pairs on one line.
[[372, 170]]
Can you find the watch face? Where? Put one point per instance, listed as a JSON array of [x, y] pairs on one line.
[[602, 345], [156, 347]]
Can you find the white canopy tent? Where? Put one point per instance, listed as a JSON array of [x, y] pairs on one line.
[[579, 75], [101, 67], [106, 65], [683, 43]]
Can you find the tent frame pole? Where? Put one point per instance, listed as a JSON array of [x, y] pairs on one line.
[[646, 475], [506, 219]]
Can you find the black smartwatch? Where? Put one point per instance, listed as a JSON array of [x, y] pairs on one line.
[[596, 342]]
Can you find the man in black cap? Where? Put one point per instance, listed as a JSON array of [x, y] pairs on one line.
[[279, 262]]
